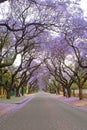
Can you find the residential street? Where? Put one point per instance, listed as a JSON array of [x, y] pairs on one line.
[[44, 112]]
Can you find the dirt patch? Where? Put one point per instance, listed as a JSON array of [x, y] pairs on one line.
[[80, 103]]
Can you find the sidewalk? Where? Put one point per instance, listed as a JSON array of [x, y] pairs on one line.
[[74, 102], [14, 103]]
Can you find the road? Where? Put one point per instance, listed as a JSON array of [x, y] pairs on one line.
[[44, 112]]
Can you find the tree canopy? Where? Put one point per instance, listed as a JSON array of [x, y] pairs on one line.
[[46, 34]]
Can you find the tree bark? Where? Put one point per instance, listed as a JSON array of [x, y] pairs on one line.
[[22, 91], [73, 92], [1, 1], [17, 92], [64, 92], [80, 93], [58, 91], [28, 90], [68, 93], [8, 96]]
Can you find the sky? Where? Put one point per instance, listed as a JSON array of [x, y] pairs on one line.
[[84, 6], [4, 9], [17, 62]]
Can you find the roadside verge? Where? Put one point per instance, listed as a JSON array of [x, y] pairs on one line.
[[14, 103]]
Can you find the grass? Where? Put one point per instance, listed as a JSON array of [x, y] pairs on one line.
[[12, 100], [77, 95]]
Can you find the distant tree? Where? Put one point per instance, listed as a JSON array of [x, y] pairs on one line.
[[57, 67], [76, 39]]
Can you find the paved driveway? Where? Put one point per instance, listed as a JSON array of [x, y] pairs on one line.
[[45, 112]]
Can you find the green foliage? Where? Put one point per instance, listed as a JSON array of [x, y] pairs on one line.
[[6, 78], [74, 86], [52, 89], [85, 85]]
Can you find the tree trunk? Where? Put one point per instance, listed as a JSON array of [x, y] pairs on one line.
[[22, 91], [8, 96], [80, 93], [68, 93], [28, 90], [57, 91], [64, 92], [17, 92], [74, 92]]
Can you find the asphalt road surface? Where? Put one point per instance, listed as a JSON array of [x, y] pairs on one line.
[[44, 112]]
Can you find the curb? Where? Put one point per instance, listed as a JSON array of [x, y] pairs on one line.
[[20, 101], [81, 108], [17, 107], [74, 106], [24, 100]]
